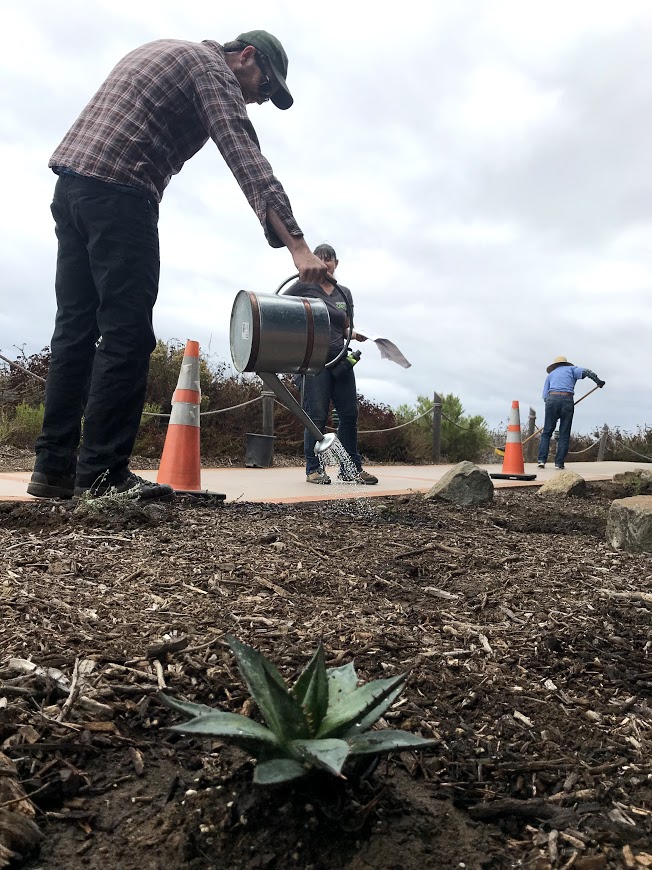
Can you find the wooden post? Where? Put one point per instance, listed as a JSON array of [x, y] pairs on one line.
[[530, 454], [268, 412], [602, 446], [436, 428]]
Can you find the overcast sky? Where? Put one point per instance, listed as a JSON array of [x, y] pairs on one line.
[[483, 170]]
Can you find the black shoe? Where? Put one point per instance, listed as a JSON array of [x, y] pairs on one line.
[[132, 487], [319, 477], [359, 477], [561, 467], [44, 485]]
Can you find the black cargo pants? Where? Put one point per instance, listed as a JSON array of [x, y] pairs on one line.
[[106, 285]]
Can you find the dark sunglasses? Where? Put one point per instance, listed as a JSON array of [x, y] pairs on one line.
[[266, 87]]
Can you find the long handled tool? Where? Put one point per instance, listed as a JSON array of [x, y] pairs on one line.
[[500, 451]]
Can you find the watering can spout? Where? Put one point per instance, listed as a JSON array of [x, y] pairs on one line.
[[273, 383]]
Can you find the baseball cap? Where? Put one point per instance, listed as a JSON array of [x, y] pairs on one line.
[[278, 62]]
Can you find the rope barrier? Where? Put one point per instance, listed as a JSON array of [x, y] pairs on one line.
[[617, 444], [403, 425], [463, 428], [631, 450], [393, 428], [208, 413], [585, 450], [375, 431], [232, 408]]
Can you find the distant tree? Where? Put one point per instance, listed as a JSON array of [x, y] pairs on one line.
[[462, 436]]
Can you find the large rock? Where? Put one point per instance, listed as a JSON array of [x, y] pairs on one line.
[[639, 478], [629, 524], [565, 484], [464, 484]]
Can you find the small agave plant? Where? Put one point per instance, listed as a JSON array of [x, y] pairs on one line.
[[320, 722]]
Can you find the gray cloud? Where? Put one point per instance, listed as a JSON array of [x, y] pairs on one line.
[[484, 175]]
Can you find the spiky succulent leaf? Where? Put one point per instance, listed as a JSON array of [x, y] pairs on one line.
[[293, 722], [281, 712], [364, 706], [327, 754], [243, 732], [185, 706], [311, 690], [390, 740], [274, 771], [341, 681], [374, 714]]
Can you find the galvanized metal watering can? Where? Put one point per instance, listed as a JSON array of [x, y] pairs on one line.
[[273, 334]]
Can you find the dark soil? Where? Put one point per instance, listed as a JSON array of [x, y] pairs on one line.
[[527, 639]]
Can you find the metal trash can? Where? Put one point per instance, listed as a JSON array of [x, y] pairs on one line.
[[259, 450]]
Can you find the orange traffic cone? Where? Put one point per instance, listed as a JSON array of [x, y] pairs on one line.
[[513, 466], [180, 463]]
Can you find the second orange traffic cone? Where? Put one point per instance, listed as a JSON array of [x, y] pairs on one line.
[[513, 465], [180, 463], [513, 460]]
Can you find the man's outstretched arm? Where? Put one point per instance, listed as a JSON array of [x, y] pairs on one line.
[[589, 374], [311, 269]]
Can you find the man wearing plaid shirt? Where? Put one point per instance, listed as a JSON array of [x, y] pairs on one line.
[[158, 107]]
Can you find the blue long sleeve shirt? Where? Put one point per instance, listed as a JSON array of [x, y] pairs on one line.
[[563, 379]]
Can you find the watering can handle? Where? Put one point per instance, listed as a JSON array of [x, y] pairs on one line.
[[349, 311]]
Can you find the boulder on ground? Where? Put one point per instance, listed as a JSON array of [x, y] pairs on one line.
[[465, 484], [566, 484], [629, 524], [639, 478]]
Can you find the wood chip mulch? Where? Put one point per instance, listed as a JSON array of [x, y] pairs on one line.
[[527, 640]]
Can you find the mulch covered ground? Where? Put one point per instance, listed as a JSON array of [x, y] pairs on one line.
[[527, 639]]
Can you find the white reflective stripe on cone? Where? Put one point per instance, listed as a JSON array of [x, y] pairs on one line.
[[185, 414], [189, 375], [513, 437]]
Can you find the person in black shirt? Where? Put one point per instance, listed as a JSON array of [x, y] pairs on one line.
[[337, 384]]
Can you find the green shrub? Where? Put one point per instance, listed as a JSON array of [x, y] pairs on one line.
[[379, 445], [152, 432], [319, 723], [462, 437], [22, 427]]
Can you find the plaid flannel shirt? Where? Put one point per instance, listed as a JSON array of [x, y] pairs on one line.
[[160, 105]]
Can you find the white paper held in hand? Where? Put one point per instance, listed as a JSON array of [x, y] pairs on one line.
[[388, 350]]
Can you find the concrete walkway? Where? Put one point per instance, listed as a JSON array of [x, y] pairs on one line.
[[289, 484]]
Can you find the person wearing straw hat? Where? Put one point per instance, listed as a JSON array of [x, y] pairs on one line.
[[558, 393], [157, 108]]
